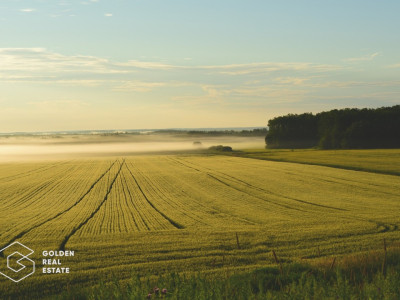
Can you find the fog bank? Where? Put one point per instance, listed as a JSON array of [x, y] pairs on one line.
[[27, 148]]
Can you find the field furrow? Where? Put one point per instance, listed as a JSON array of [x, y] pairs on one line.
[[308, 184], [235, 183], [74, 188], [180, 193], [161, 213], [15, 168], [93, 213]]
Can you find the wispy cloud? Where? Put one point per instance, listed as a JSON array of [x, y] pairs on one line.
[[231, 84], [81, 82], [108, 15], [395, 66], [292, 80], [138, 86], [28, 10], [265, 67], [147, 86], [232, 96], [89, 2], [367, 57], [64, 3], [147, 65], [43, 61]]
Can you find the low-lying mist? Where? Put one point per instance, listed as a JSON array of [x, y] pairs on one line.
[[55, 147]]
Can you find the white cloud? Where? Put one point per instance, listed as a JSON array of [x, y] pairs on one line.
[[138, 86], [291, 80], [28, 10], [207, 82], [43, 61], [108, 15], [234, 95], [143, 86], [89, 2], [147, 65], [367, 57], [265, 67]]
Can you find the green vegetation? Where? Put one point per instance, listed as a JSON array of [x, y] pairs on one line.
[[203, 214], [221, 148], [214, 133], [253, 132], [385, 161], [337, 129], [364, 280]]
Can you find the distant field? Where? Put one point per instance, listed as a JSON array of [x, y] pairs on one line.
[[386, 161], [157, 214]]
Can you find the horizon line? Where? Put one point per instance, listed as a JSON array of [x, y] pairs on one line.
[[130, 130]]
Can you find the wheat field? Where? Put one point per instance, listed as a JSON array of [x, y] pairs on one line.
[[187, 213]]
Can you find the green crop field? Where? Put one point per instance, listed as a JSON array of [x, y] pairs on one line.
[[385, 161], [190, 213]]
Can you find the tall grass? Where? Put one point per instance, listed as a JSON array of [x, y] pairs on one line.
[[355, 278]]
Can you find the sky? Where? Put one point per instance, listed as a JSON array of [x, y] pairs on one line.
[[134, 64]]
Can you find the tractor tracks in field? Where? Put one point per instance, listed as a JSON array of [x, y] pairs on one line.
[[127, 192], [232, 178], [213, 208], [386, 227], [172, 222], [75, 229], [381, 227], [255, 196], [22, 233], [354, 184], [231, 186], [223, 178]]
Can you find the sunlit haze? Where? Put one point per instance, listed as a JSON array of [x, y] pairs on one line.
[[102, 64]]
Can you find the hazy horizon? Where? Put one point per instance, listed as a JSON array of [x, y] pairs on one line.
[[130, 130], [29, 148]]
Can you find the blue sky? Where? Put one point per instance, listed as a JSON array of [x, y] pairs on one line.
[[69, 64]]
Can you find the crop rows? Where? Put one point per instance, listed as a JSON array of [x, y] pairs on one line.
[[162, 193], [182, 213], [27, 204]]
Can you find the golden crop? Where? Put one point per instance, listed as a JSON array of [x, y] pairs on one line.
[[156, 214]]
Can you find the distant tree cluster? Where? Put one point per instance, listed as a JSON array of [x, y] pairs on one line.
[[221, 148], [253, 132], [337, 129]]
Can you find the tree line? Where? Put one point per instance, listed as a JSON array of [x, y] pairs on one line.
[[243, 133], [260, 132], [349, 128]]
